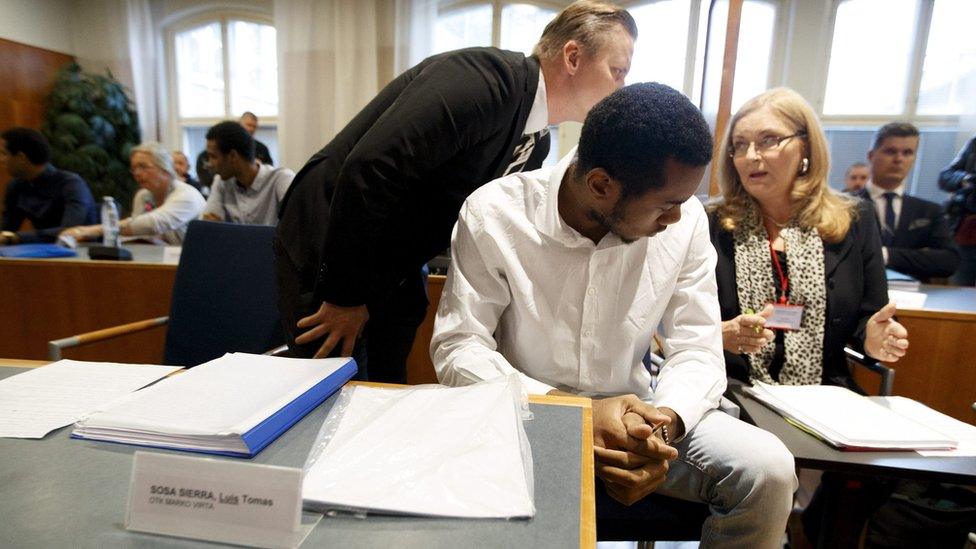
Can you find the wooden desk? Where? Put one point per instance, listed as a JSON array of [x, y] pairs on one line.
[[45, 299], [940, 367], [59, 492]]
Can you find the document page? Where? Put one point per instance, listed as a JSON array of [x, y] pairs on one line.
[[34, 403]]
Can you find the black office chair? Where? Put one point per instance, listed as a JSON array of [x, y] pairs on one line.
[[224, 298]]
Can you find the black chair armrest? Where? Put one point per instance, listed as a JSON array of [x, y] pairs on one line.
[[887, 374]]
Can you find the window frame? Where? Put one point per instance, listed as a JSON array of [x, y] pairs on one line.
[[920, 35], [176, 124]]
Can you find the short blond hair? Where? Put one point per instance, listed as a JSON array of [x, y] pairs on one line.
[[812, 201], [588, 22]]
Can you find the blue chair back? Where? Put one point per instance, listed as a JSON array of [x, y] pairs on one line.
[[225, 296]]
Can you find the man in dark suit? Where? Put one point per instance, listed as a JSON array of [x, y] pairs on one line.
[[914, 234], [371, 208]]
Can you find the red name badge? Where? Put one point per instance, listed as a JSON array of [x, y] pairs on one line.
[[785, 317]]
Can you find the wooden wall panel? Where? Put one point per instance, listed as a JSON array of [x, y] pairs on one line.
[[27, 75], [47, 299]]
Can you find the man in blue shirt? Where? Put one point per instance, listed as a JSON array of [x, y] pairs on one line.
[[50, 198]]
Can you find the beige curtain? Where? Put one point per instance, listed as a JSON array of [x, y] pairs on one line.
[[333, 57]]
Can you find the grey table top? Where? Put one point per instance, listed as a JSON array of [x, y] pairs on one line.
[[59, 492], [812, 453]]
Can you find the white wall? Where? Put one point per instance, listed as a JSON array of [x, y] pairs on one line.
[[41, 23]]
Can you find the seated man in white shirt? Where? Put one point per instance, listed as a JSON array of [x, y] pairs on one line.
[[562, 275], [244, 190]]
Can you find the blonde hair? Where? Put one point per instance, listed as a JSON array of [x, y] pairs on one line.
[[158, 153], [585, 21], [812, 202]]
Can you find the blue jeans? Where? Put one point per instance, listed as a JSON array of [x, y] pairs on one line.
[[746, 476]]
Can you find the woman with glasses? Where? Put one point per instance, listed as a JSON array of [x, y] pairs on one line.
[[164, 205], [800, 272]]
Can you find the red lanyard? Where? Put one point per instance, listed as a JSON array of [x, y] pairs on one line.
[[784, 282]]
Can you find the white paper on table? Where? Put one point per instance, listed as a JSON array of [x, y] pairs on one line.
[[907, 300], [171, 254], [949, 426], [34, 403], [428, 451]]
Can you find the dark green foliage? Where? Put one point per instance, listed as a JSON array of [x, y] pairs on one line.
[[91, 125]]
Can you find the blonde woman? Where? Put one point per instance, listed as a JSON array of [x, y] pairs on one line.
[[164, 205], [794, 254]]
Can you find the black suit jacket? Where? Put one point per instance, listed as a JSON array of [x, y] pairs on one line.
[[922, 245], [382, 197], [855, 283]]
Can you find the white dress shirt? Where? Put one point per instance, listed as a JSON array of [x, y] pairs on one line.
[[538, 118], [254, 205], [881, 203], [528, 294], [168, 220]]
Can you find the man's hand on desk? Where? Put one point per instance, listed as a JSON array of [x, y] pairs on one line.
[[631, 461], [336, 324]]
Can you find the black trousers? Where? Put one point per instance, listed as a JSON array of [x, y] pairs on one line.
[[381, 351]]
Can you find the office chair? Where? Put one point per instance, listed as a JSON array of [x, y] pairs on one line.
[[225, 298]]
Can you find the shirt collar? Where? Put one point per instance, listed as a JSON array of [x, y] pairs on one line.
[[259, 180], [47, 173], [539, 113], [548, 220], [877, 192]]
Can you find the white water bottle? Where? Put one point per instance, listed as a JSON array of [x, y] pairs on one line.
[[110, 222]]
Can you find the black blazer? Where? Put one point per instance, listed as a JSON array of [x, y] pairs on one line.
[[922, 246], [382, 197], [855, 283]]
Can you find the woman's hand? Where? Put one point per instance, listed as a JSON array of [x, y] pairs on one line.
[[747, 333], [83, 233], [885, 339]]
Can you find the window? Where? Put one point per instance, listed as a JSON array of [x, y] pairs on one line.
[[753, 57], [220, 68], [905, 60], [868, 71], [902, 58], [660, 53], [949, 69]]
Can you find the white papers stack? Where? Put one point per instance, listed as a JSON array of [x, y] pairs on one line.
[[901, 281], [236, 404], [428, 451], [847, 420], [955, 429], [907, 300], [34, 403]]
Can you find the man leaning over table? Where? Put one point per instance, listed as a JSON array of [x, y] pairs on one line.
[[562, 276]]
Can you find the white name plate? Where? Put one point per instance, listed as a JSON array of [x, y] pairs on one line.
[[217, 500]]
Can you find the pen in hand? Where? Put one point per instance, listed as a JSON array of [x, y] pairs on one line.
[[749, 311]]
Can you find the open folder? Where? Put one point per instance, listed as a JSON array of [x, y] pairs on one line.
[[234, 405], [847, 420]]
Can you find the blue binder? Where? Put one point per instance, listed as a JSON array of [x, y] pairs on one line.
[[36, 251], [265, 432]]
